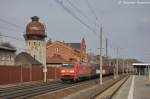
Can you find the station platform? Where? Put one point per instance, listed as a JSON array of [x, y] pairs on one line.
[[136, 87]]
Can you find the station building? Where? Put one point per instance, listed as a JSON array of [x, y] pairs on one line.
[[66, 51], [141, 68]]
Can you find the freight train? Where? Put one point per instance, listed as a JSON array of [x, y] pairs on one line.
[[75, 71]]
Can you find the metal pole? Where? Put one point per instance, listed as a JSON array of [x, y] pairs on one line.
[[106, 60], [101, 60], [106, 48], [123, 64], [127, 67], [117, 64], [1, 38], [130, 69]]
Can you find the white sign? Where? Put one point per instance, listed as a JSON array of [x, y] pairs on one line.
[[44, 69]]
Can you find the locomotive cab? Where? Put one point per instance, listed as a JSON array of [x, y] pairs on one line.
[[68, 72]]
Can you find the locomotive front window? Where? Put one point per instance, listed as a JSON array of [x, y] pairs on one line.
[[68, 65]]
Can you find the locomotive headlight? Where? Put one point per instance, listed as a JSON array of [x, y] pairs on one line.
[[62, 71], [71, 71]]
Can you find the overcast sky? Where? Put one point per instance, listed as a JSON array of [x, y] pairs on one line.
[[126, 23]]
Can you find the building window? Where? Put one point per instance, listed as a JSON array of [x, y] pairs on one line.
[[57, 50], [2, 56], [9, 57]]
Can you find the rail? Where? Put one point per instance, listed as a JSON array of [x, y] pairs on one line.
[[109, 96]]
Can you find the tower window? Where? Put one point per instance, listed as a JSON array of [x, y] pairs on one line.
[[34, 43]]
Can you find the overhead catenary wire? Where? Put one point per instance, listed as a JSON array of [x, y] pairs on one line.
[[93, 12], [79, 11], [10, 23], [75, 16], [100, 21], [11, 37], [10, 29], [16, 30], [70, 12], [19, 39], [97, 20]]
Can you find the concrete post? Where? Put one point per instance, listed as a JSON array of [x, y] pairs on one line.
[[45, 72]]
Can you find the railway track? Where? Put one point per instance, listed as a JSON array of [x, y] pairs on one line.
[[28, 91], [19, 87], [88, 90], [64, 93], [110, 90]]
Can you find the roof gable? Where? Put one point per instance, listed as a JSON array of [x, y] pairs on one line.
[[24, 58], [59, 43]]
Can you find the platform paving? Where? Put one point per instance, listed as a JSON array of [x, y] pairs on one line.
[[142, 88], [136, 87]]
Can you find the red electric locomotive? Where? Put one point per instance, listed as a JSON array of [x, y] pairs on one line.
[[75, 71]]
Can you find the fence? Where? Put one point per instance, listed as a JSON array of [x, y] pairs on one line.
[[53, 72], [9, 74], [15, 74]]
